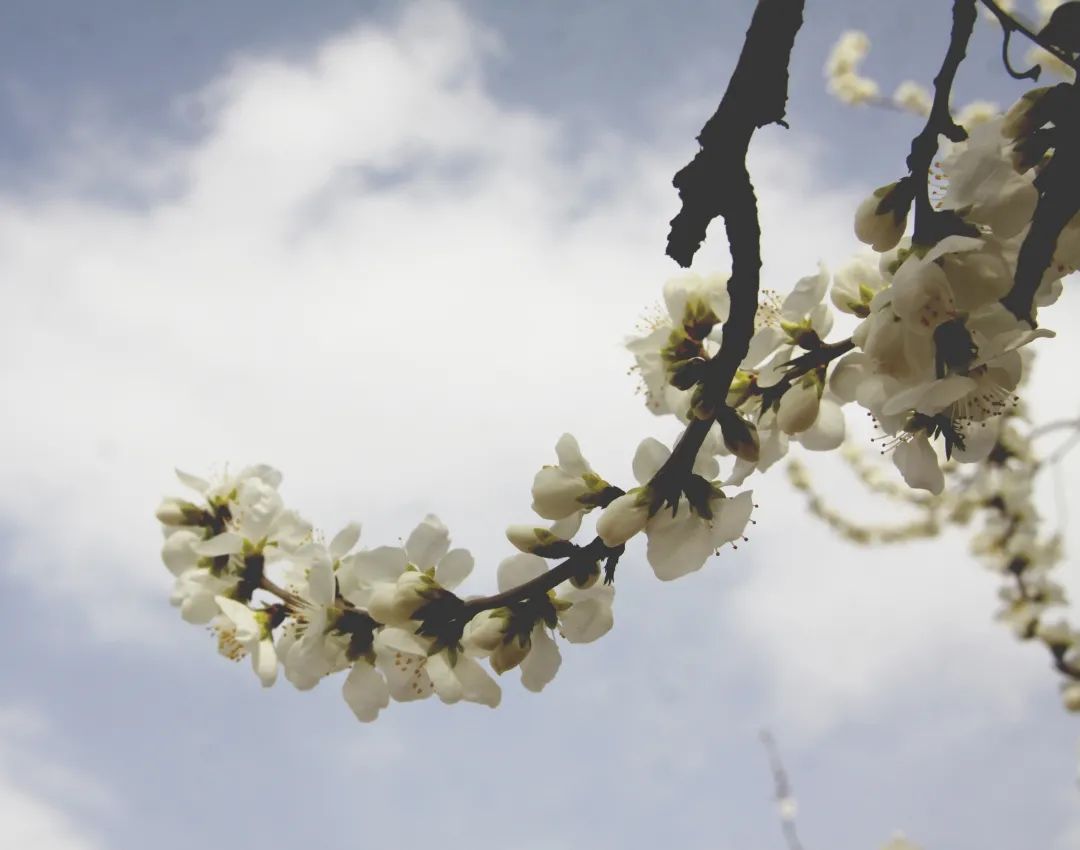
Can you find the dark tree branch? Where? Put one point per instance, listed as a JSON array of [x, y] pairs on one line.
[[932, 225], [716, 183], [1009, 25], [580, 563], [756, 95], [803, 365], [783, 791], [1059, 201]]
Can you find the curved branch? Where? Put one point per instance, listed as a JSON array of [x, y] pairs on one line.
[[586, 558], [933, 225], [716, 183], [1010, 25]]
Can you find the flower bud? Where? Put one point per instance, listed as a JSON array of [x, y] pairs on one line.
[[175, 512], [1070, 696], [557, 493], [740, 436], [624, 517], [880, 220], [1055, 635], [396, 604], [1018, 120], [485, 632], [510, 654], [539, 541]]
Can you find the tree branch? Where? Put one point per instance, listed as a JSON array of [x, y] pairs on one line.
[[716, 183], [756, 95], [1059, 201], [933, 225], [1009, 25]]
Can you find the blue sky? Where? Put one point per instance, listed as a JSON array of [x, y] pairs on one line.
[[221, 240]]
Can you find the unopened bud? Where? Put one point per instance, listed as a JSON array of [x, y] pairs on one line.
[[539, 541], [687, 373], [1070, 696], [624, 517], [881, 219], [510, 653], [177, 512], [740, 436], [1019, 120], [486, 631]]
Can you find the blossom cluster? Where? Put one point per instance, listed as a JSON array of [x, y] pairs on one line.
[[271, 589], [934, 356]]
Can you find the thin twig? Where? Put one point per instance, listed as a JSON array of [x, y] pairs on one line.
[[785, 801], [1010, 25]]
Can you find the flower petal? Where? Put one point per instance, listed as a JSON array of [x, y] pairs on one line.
[[428, 542], [453, 568], [570, 456], [366, 691], [518, 569], [226, 543], [542, 663], [344, 541], [476, 684], [677, 545], [918, 463], [649, 457]]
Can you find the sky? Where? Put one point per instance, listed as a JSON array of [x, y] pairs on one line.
[[394, 250]]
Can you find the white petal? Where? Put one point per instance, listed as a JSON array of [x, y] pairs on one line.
[[762, 344], [542, 663], [385, 563], [678, 545], [586, 619], [979, 440], [731, 517], [226, 543], [827, 432], [651, 454], [400, 640], [477, 685], [264, 661], [739, 473], [178, 553], [428, 542], [321, 584], [365, 691], [344, 541], [943, 393], [264, 472], [567, 527], [570, 457], [193, 481], [518, 569], [243, 618], [952, 245], [447, 685], [806, 295], [846, 375], [454, 568], [918, 463]]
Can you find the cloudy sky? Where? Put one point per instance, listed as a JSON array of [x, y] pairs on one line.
[[393, 249]]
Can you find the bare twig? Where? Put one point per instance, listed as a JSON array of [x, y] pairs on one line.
[[785, 801]]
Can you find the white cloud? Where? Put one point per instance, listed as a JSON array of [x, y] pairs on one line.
[[39, 796], [369, 272]]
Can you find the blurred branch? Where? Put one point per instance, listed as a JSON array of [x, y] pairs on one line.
[[784, 800]]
